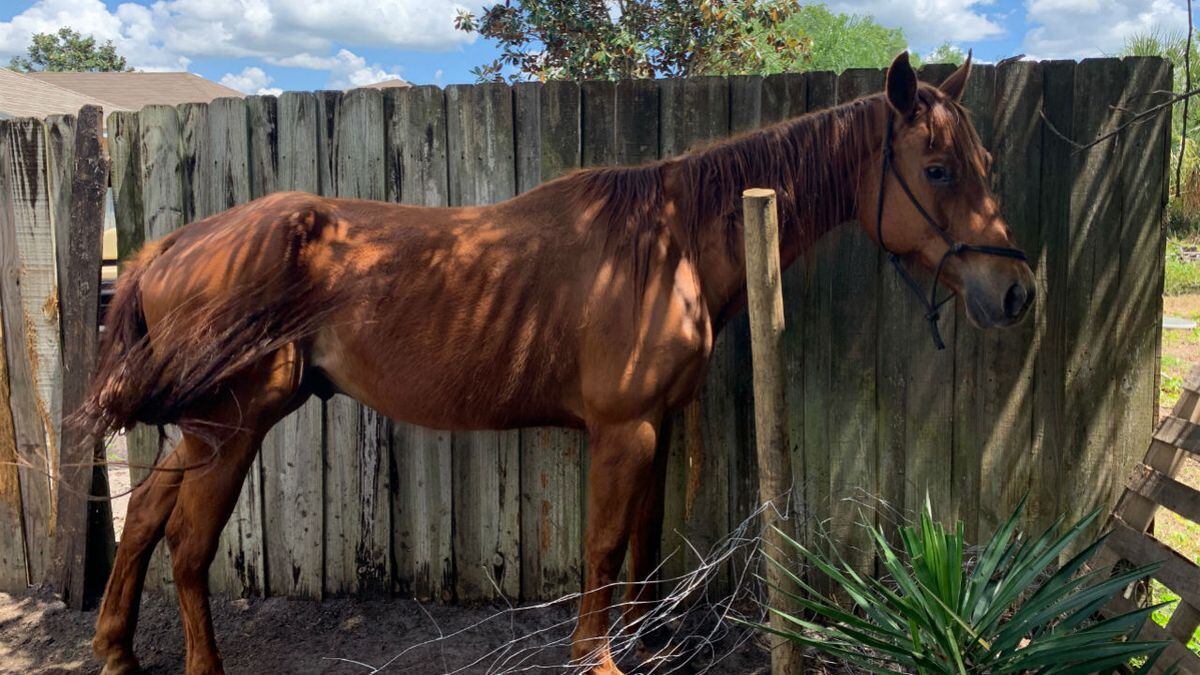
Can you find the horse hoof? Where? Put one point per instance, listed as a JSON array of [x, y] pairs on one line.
[[121, 664]]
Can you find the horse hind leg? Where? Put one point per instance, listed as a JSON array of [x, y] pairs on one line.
[[192, 509], [149, 507]]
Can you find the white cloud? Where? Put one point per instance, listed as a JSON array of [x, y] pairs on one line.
[[168, 34], [1081, 28], [347, 70], [252, 80], [928, 23]]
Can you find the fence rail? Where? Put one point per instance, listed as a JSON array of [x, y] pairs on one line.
[[342, 501]]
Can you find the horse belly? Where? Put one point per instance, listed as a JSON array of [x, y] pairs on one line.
[[441, 384]]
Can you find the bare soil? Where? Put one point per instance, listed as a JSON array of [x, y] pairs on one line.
[[277, 635]]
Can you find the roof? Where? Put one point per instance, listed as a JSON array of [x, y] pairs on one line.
[[24, 96], [394, 83], [134, 90]]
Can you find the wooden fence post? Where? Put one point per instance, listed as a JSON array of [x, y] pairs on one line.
[[764, 291], [79, 298]]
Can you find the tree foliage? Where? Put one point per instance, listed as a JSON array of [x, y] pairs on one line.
[[69, 51], [946, 53], [836, 42], [601, 39]]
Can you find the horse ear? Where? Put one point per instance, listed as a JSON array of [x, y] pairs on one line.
[[956, 83], [902, 85]]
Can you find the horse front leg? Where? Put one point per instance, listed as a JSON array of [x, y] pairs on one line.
[[621, 472]]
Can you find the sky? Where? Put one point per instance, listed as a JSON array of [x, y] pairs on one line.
[[268, 46]]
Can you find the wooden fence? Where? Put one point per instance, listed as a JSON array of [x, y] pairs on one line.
[[342, 501], [1153, 486]]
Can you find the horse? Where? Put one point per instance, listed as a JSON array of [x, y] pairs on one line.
[[590, 302]]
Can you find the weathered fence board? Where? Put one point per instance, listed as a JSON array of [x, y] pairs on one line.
[[357, 439], [343, 501], [14, 571], [694, 111], [31, 331], [422, 500], [853, 447], [1004, 392], [486, 465], [165, 203], [293, 453], [81, 551], [548, 144]]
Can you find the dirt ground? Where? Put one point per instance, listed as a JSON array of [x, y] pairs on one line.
[[39, 635]]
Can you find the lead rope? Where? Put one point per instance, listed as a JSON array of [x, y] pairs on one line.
[[953, 248]]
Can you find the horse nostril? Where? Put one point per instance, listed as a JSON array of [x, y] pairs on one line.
[[1015, 301]]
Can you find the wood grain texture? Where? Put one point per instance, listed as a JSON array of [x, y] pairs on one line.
[[358, 546], [14, 570], [60, 136], [283, 147], [422, 497], [548, 144], [482, 160], [1144, 157], [1003, 362], [164, 209], [79, 300], [853, 439], [812, 340], [1092, 290], [1050, 432], [696, 508], [31, 331]]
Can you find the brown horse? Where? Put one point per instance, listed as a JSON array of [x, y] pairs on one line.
[[590, 302]]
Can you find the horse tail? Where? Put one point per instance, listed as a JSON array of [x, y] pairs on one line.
[[118, 386], [166, 372]]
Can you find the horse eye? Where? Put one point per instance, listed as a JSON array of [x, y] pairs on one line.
[[937, 174]]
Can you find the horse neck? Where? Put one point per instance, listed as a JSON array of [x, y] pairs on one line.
[[817, 164]]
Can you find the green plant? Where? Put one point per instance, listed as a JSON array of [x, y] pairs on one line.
[[1182, 276], [1013, 610]]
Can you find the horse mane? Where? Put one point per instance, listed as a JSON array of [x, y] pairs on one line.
[[813, 162]]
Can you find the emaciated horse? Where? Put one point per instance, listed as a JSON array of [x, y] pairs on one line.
[[590, 302]]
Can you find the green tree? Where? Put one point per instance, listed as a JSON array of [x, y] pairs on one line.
[[597, 39], [1183, 210], [946, 53], [68, 50], [836, 42]]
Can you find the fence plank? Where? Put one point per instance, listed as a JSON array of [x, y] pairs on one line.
[[196, 162], [548, 144], [14, 571], [853, 439], [61, 148], [996, 415], [82, 551], [1050, 315], [486, 464], [422, 499], [164, 203], [696, 516], [32, 329], [293, 451], [125, 179], [217, 141], [358, 439], [1137, 333], [262, 114], [1095, 229], [809, 336]]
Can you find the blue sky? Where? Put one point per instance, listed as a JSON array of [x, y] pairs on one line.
[[271, 45]]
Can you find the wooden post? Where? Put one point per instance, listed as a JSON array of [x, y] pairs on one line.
[[764, 290], [80, 297]]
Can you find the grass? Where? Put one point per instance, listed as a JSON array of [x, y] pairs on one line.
[[1181, 276], [1180, 352]]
